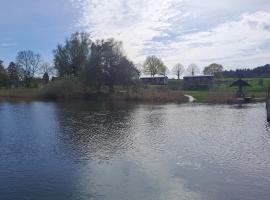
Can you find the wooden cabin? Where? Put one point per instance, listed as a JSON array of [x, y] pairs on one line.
[[156, 80], [201, 82]]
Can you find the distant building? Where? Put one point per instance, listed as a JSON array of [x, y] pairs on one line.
[[156, 80], [202, 82]]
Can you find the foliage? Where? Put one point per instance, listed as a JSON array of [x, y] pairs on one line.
[[175, 84], [154, 65], [157, 95], [213, 69], [3, 75], [63, 88], [45, 78], [71, 58], [14, 75], [262, 71], [95, 63]]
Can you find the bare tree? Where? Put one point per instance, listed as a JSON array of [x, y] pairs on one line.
[[46, 68], [178, 70], [30, 63], [139, 67], [154, 65], [193, 69]]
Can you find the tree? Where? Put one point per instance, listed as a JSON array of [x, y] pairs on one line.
[[13, 75], [108, 65], [178, 70], [193, 69], [139, 67], [154, 65], [71, 58], [30, 63], [164, 70], [46, 68], [3, 75], [45, 78], [213, 69]]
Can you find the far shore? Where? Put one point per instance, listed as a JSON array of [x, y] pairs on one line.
[[142, 95]]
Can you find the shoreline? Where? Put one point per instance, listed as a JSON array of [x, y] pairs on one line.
[[154, 96]]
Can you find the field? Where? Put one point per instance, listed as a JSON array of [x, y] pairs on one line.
[[223, 93]]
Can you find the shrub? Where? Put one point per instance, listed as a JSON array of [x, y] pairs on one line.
[[63, 88]]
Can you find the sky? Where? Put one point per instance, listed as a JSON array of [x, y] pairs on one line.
[[234, 33]]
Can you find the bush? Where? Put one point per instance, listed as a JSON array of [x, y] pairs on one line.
[[175, 84], [63, 88]]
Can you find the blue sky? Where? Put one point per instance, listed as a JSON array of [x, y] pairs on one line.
[[235, 33]]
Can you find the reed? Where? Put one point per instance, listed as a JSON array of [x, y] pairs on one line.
[[153, 96]]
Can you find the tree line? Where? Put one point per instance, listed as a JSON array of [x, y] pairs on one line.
[[96, 63], [261, 71], [23, 72], [99, 63], [154, 65]]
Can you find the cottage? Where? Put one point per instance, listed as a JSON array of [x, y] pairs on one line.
[[156, 80], [202, 82]]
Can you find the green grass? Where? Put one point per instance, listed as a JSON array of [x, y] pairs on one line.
[[72, 88], [200, 96], [258, 89]]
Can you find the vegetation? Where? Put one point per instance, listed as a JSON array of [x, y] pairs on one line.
[[178, 70], [193, 69], [84, 68], [223, 93], [153, 95], [154, 65], [3, 75], [213, 69], [262, 71]]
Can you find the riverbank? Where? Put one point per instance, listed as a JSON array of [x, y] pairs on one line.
[[149, 95], [20, 93], [141, 95], [223, 97]]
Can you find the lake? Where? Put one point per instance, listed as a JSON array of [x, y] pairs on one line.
[[115, 151]]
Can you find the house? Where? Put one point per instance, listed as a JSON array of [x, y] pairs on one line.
[[156, 80], [201, 82]]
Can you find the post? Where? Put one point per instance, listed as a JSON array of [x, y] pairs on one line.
[[268, 105]]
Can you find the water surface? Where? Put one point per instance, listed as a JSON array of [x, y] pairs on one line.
[[87, 150]]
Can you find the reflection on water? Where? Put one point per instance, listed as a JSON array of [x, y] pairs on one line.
[[97, 150]]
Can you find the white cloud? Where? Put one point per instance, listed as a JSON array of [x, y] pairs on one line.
[[233, 32]]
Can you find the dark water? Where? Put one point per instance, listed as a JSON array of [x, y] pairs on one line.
[[153, 152]]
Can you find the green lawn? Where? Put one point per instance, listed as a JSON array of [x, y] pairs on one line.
[[258, 89], [200, 96]]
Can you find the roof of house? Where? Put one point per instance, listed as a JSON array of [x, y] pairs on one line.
[[240, 83], [158, 76], [198, 76]]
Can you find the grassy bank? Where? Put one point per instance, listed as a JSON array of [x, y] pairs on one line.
[[20, 93], [223, 93], [213, 97], [152, 95], [72, 88]]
